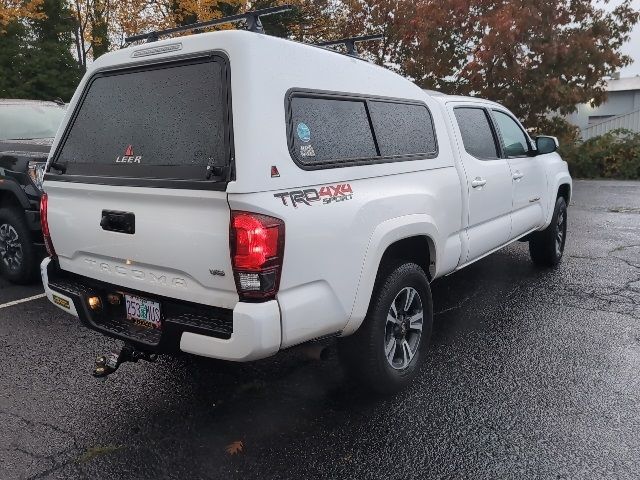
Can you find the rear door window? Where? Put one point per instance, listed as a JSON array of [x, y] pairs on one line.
[[477, 135], [161, 122]]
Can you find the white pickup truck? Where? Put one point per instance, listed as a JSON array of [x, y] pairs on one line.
[[232, 194]]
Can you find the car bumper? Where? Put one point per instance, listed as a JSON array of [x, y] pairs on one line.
[[248, 332]]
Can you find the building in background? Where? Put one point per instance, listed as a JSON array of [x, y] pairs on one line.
[[621, 109]]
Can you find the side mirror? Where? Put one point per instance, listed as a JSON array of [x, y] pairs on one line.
[[546, 144]]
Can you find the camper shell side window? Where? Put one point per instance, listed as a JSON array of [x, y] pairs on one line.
[[330, 130]]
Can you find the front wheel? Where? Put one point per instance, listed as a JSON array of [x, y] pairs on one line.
[[546, 247], [386, 352]]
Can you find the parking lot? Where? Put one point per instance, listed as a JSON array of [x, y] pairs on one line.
[[532, 373]]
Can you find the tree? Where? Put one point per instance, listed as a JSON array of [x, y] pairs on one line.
[[50, 69], [15, 10], [35, 56], [102, 25], [309, 21], [539, 58], [93, 22], [12, 41]]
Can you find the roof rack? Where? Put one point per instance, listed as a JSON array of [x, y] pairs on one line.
[[251, 18], [350, 43]]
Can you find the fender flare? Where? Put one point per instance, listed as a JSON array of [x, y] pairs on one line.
[[384, 235], [8, 185], [560, 178]]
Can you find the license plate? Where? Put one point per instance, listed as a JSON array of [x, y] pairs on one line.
[[143, 312]]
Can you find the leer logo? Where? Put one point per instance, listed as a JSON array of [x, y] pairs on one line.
[[129, 156]]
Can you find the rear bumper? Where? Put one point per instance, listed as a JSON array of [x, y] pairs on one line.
[[248, 332]]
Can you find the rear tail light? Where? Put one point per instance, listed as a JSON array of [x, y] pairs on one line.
[[257, 248], [44, 223]]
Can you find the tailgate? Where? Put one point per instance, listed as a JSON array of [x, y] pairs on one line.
[[148, 147], [181, 237]]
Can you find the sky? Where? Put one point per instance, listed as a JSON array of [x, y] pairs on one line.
[[632, 47]]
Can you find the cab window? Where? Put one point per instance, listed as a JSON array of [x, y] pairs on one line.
[[514, 139], [477, 135]]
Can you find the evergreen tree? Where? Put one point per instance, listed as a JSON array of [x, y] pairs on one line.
[[12, 46], [35, 55], [50, 69]]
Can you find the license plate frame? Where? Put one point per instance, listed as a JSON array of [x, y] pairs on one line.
[[142, 311]]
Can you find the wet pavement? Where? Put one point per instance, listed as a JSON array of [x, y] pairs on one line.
[[532, 374]]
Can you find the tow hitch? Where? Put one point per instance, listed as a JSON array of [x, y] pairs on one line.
[[109, 363]]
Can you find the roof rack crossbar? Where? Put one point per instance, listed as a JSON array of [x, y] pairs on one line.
[[252, 20], [350, 43]]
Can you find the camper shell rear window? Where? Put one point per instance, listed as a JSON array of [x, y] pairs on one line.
[[164, 124], [329, 129]]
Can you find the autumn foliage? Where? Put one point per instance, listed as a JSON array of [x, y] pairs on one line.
[[12, 10], [539, 58], [536, 57]]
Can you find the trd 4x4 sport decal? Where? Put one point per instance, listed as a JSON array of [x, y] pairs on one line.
[[327, 194]]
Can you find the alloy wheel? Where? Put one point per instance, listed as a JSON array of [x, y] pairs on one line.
[[403, 328], [561, 229], [10, 247]]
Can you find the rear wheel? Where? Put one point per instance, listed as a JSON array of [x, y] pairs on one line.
[[386, 352], [546, 247], [17, 252]]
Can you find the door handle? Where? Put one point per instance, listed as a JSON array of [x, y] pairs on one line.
[[517, 175], [121, 222], [478, 182]]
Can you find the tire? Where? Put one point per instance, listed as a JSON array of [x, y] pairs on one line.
[[376, 355], [18, 262], [546, 247]]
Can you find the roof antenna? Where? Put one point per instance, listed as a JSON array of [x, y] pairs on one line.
[[350, 43], [252, 20]]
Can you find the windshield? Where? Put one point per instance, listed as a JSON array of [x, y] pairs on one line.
[[21, 122]]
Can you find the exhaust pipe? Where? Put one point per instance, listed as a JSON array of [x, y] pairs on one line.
[[315, 351]]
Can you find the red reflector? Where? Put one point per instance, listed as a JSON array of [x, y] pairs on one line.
[[44, 224]]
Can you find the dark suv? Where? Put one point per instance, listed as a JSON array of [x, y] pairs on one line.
[[27, 128]]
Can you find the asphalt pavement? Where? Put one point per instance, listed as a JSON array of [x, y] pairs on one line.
[[532, 374]]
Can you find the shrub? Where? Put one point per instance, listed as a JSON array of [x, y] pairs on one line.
[[616, 154]]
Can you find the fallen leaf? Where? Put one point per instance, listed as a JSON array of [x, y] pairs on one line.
[[234, 447], [93, 452]]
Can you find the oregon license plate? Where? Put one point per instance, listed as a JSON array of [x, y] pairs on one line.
[[142, 311]]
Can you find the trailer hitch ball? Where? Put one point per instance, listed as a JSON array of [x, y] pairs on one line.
[[109, 363]]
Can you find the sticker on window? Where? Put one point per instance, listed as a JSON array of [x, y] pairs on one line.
[[304, 133], [307, 151]]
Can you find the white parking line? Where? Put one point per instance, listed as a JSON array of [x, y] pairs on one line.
[[22, 300]]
